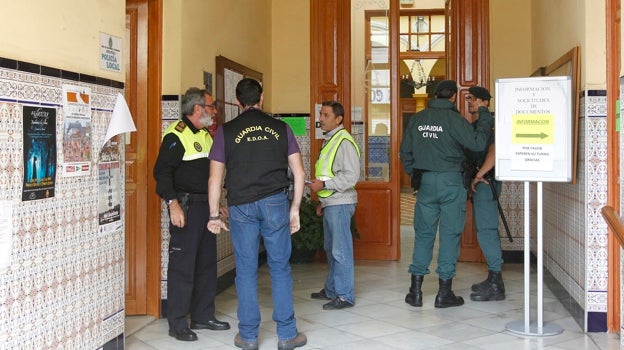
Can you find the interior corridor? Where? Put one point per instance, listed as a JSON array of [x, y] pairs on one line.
[[382, 320]]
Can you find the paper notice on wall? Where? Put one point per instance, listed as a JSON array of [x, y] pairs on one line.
[[121, 120], [6, 233], [77, 133]]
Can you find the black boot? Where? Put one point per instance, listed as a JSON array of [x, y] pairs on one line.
[[446, 297], [485, 283], [493, 290], [414, 297]]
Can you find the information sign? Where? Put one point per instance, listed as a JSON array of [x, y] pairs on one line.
[[534, 129]]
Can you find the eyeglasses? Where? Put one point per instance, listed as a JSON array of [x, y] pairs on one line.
[[211, 106], [470, 98]]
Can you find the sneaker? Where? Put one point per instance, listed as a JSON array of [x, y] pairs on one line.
[[299, 340], [337, 304]]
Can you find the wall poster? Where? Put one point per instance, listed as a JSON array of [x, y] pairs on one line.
[[39, 152], [109, 185], [76, 130]]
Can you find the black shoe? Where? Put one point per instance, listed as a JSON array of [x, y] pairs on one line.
[[299, 340], [337, 304], [320, 295], [214, 325], [183, 334], [245, 345]]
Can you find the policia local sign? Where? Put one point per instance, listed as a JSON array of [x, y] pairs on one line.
[[534, 129], [110, 52]]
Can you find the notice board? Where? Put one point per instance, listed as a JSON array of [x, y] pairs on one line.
[[534, 129]]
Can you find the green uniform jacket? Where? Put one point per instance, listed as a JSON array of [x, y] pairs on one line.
[[435, 137]]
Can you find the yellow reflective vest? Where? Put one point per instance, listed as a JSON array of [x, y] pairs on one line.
[[323, 167], [196, 145]]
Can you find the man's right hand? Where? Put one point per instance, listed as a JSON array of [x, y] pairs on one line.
[[176, 214]]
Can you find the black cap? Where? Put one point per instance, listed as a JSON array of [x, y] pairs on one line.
[[446, 84], [480, 92]]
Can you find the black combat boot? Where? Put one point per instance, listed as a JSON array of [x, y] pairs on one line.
[[446, 297], [485, 283], [493, 290], [414, 297]]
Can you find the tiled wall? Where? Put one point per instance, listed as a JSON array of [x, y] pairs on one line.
[[64, 288], [593, 255]]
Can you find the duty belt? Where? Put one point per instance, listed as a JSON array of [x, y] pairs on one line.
[[194, 197]]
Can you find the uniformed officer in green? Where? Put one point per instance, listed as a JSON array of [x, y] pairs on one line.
[[433, 145], [485, 206]]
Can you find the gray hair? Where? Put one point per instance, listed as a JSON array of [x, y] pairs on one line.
[[193, 96]]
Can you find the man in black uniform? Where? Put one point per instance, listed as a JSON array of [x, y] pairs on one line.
[[257, 150], [181, 172], [433, 147]]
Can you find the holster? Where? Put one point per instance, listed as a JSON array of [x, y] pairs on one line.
[[183, 199], [469, 171], [417, 178]]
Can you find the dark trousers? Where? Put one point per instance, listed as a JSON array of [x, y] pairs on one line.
[[192, 270]]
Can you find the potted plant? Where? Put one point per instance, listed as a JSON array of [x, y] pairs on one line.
[[309, 239]]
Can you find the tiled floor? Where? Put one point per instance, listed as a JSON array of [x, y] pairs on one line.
[[382, 320]]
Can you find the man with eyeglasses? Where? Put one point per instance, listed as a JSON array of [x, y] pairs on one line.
[[485, 205], [433, 149], [181, 172]]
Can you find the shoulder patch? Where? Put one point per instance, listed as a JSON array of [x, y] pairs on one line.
[[181, 126]]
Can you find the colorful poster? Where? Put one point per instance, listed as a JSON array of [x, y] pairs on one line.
[[76, 130], [110, 185], [39, 152]]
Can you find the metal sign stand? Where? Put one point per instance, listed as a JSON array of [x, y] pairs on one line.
[[526, 327]]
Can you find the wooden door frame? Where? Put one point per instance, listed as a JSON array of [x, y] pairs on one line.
[[330, 79], [154, 133], [613, 34], [468, 64]]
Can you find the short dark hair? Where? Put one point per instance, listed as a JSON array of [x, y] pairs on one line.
[[445, 89], [193, 96], [337, 108], [248, 92]]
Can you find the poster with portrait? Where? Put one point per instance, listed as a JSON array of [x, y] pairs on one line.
[[77, 134], [39, 152]]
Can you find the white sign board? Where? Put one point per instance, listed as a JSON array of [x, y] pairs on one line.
[[110, 52], [534, 129]]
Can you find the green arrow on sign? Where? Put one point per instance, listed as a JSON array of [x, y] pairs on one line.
[[540, 135]]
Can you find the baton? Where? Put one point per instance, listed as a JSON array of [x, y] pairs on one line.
[[500, 209]]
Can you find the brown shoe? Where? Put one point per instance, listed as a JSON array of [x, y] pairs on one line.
[[299, 340], [245, 345]]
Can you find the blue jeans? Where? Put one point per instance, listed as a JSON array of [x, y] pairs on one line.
[[268, 218], [338, 244], [440, 207]]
